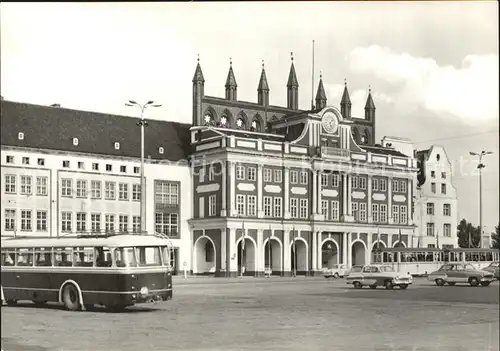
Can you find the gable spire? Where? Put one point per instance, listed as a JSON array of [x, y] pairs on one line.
[[263, 88], [231, 86], [345, 103], [292, 88], [370, 107], [320, 95], [198, 74], [292, 77]]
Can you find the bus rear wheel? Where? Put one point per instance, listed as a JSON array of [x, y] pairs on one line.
[[70, 297]]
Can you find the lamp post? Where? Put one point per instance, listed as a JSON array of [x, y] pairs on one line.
[[142, 123], [480, 166]]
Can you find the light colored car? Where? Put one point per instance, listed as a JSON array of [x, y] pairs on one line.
[[379, 275], [452, 273], [493, 268], [337, 271]]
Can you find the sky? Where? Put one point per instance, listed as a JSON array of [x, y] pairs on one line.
[[432, 66]]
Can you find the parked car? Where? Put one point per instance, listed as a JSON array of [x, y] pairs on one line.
[[379, 275], [493, 268], [452, 273], [337, 271]]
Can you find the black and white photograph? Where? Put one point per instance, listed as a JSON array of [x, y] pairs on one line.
[[250, 175]]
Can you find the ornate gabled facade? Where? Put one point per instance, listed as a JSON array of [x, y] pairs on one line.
[[298, 195]]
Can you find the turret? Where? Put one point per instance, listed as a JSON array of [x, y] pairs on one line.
[[198, 93], [231, 86], [292, 89], [320, 95], [345, 104], [263, 89]]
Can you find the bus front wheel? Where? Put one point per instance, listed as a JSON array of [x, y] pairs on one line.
[[70, 297]]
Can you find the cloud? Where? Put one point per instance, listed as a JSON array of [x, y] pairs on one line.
[[469, 92]]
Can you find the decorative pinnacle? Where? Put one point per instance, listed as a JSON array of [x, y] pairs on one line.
[[230, 61], [291, 55], [320, 74], [345, 81], [262, 64], [198, 57], [369, 89]]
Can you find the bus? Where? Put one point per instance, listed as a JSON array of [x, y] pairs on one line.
[[79, 271], [419, 261]]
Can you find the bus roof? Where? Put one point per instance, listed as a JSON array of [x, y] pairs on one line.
[[122, 240]]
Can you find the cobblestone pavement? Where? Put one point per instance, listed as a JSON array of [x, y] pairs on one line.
[[271, 314]]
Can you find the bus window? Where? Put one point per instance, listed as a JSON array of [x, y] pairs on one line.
[[166, 256], [63, 256], [148, 256], [24, 257], [125, 257], [8, 257], [103, 257], [83, 256], [43, 257]]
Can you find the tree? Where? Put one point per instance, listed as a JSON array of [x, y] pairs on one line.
[[468, 234], [495, 239]]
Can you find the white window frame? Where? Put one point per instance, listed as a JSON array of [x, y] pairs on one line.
[[383, 213], [354, 182], [212, 205], [294, 207], [324, 209], [109, 222], [395, 214], [211, 173], [81, 188], [278, 206], [268, 206], [251, 174], [402, 186], [375, 213], [324, 180], [252, 205], [110, 190], [446, 209], [362, 183], [26, 185], [66, 187], [395, 186], [136, 192], [81, 221], [136, 224], [294, 177], [10, 219], [430, 230], [382, 183], [303, 208], [123, 223], [362, 210], [304, 177], [66, 222], [268, 175], [354, 210], [26, 220], [95, 222], [240, 204], [335, 180], [403, 214], [123, 191], [95, 189], [335, 210], [447, 230], [41, 186], [10, 184], [374, 184], [278, 176], [240, 172], [41, 220]]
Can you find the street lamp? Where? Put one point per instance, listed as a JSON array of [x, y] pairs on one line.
[[480, 166], [142, 123]]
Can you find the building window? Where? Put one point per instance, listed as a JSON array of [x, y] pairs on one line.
[[81, 165], [81, 188], [443, 188], [166, 223], [294, 177], [9, 159], [277, 176], [335, 180], [324, 180], [211, 174], [403, 217], [252, 205], [277, 206], [433, 188], [354, 182], [123, 169], [66, 222], [354, 208], [137, 170], [268, 175], [240, 172], [267, 206], [430, 229], [395, 186], [81, 222], [26, 185], [65, 164], [443, 175], [303, 208], [136, 192], [41, 186], [95, 166], [362, 210], [375, 213], [430, 208], [395, 214], [10, 219], [447, 230], [252, 174], [303, 177], [382, 184], [446, 210], [95, 189], [95, 222], [402, 187], [41, 221], [26, 160], [26, 220], [362, 183], [10, 184], [324, 208], [123, 223], [374, 184], [433, 174], [383, 213], [201, 175], [109, 167], [136, 224], [240, 204], [41, 162], [110, 190], [110, 223], [167, 193], [123, 191], [212, 203], [66, 187], [335, 211], [294, 207]]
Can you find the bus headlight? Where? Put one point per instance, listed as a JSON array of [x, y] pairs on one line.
[[144, 290]]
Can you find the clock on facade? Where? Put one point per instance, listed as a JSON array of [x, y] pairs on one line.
[[330, 122]]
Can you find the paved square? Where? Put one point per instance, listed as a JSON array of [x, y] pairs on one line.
[[271, 314]]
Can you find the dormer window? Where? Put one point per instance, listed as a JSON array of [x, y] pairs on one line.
[[75, 141], [117, 146], [161, 150], [20, 136]]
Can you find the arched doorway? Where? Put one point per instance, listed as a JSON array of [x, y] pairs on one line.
[[376, 256], [329, 254], [272, 256], [204, 256], [246, 256], [397, 245], [298, 257], [358, 253]]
